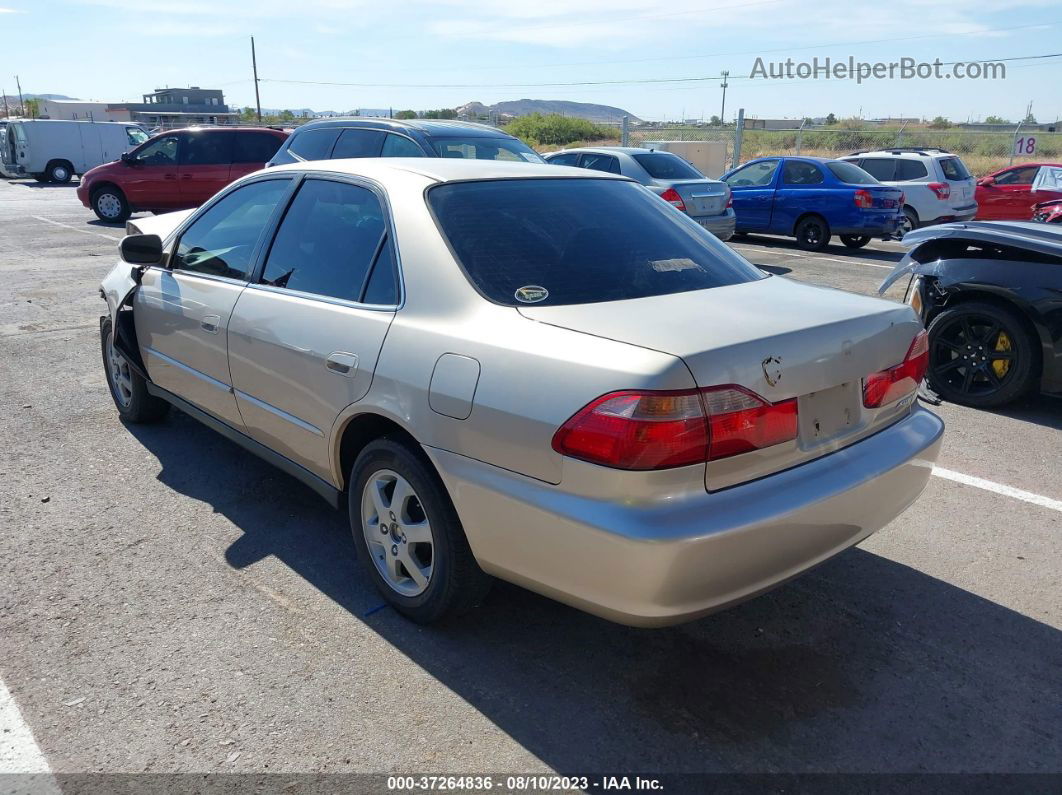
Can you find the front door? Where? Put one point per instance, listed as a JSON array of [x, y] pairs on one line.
[[150, 179], [752, 188], [305, 338], [206, 158], [182, 311], [1009, 197]]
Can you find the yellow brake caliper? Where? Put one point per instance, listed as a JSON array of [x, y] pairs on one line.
[[1001, 366]]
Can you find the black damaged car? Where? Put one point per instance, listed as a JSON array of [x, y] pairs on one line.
[[990, 294]]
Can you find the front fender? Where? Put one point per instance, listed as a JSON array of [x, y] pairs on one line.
[[117, 286]]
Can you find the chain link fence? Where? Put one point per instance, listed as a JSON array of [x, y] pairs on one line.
[[983, 152]]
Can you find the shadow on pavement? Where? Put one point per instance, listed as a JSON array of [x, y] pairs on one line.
[[1043, 410], [834, 249], [862, 665]]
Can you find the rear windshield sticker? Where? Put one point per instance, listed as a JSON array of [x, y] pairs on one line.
[[531, 294]]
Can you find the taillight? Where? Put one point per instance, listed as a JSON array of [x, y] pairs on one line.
[[903, 199], [942, 189], [672, 197], [888, 386], [659, 430], [863, 199], [730, 201]]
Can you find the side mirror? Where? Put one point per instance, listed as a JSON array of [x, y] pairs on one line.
[[986, 182], [141, 249], [129, 159]]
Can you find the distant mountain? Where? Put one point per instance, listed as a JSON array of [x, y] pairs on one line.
[[47, 96], [522, 107]]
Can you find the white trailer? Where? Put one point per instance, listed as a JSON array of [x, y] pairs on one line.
[[54, 151]]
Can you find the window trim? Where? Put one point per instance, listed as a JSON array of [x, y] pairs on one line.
[[389, 234], [174, 240]]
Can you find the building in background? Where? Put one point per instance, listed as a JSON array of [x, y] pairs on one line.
[[81, 110], [180, 107]]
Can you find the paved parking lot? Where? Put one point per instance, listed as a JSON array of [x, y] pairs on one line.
[[170, 603]]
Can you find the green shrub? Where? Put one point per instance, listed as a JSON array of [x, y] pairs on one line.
[[537, 129]]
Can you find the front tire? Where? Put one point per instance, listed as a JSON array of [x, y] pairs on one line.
[[128, 389], [110, 205], [408, 536], [855, 241], [981, 355], [813, 233]]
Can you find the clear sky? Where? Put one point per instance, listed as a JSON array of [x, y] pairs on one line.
[[442, 53]]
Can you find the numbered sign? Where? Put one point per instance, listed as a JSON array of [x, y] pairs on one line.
[[1026, 145]]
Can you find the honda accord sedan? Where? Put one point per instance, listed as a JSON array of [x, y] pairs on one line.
[[530, 372]]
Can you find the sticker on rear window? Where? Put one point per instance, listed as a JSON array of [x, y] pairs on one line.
[[531, 294], [676, 264]]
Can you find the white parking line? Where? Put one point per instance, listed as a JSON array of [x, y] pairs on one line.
[[19, 752], [999, 488], [76, 229], [815, 256]]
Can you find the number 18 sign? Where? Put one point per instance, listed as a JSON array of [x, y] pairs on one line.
[[1026, 145]]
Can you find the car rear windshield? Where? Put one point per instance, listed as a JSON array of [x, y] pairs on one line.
[[954, 168], [663, 165], [486, 149], [851, 174], [578, 241]]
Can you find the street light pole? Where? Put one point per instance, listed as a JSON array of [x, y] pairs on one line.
[[21, 102], [254, 68]]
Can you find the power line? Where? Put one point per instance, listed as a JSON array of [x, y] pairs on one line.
[[640, 81]]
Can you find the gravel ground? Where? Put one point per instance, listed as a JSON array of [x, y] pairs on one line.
[[172, 604]]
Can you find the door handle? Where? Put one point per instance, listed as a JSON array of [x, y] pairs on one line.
[[169, 176], [186, 176], [210, 323], [342, 363]]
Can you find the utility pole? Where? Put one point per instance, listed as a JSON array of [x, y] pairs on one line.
[[7, 113], [722, 110], [21, 102], [254, 68]]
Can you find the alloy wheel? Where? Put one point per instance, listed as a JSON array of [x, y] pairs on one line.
[[397, 532], [120, 376], [973, 355]]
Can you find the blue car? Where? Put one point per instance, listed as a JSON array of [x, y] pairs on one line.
[[811, 199]]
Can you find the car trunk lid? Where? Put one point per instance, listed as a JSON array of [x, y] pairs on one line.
[[701, 196], [776, 338]]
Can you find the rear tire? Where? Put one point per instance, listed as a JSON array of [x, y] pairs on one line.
[[128, 389], [855, 241], [393, 534], [908, 223], [59, 171], [813, 233], [110, 205], [981, 355]]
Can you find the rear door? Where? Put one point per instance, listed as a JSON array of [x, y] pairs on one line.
[[150, 183], [251, 150], [599, 162], [205, 160], [961, 182], [753, 187], [305, 336], [182, 311]]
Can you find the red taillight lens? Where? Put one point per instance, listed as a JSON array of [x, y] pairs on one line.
[[888, 386], [672, 197], [659, 430], [862, 198], [903, 199], [740, 421], [730, 201], [942, 189]]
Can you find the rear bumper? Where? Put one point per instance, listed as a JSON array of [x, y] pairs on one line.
[[874, 225], [964, 213], [666, 560], [722, 226]]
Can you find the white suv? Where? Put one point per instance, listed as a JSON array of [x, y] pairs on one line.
[[937, 185]]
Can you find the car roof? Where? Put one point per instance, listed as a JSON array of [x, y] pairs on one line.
[[443, 169], [611, 150], [427, 126]]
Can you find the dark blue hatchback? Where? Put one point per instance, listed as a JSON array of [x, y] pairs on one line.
[[331, 139], [811, 199]]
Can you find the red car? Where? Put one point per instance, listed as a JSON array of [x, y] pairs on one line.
[[1007, 195], [176, 170]]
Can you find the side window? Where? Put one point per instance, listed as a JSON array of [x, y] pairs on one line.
[[601, 163], [207, 149], [800, 172], [254, 147], [567, 159], [383, 281], [222, 240], [313, 144], [753, 175], [400, 146], [881, 168], [908, 170], [1018, 176], [160, 152], [327, 240], [358, 143], [135, 136]]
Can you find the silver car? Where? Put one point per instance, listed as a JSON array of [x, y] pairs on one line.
[[529, 372], [679, 183]]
